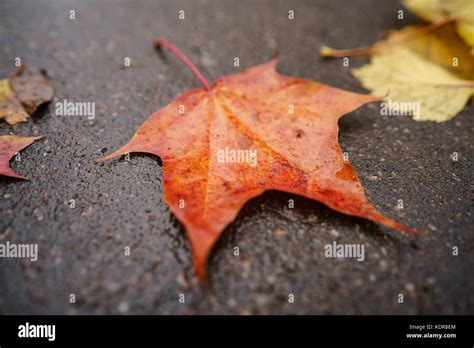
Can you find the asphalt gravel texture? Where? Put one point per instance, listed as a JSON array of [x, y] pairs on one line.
[[119, 203]]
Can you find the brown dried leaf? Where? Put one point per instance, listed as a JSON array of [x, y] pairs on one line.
[[21, 96]]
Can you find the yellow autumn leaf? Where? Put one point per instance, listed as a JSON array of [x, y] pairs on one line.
[[441, 46], [461, 11], [413, 83]]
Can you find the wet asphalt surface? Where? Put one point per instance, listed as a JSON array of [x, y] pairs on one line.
[[119, 203]]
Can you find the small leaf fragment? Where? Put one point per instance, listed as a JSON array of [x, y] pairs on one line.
[[21, 96], [32, 91], [10, 145]]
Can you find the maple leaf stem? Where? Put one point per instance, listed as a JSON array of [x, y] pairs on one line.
[[367, 50], [169, 46], [18, 70]]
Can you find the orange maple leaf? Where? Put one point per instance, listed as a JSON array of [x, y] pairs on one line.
[[286, 126], [10, 145]]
